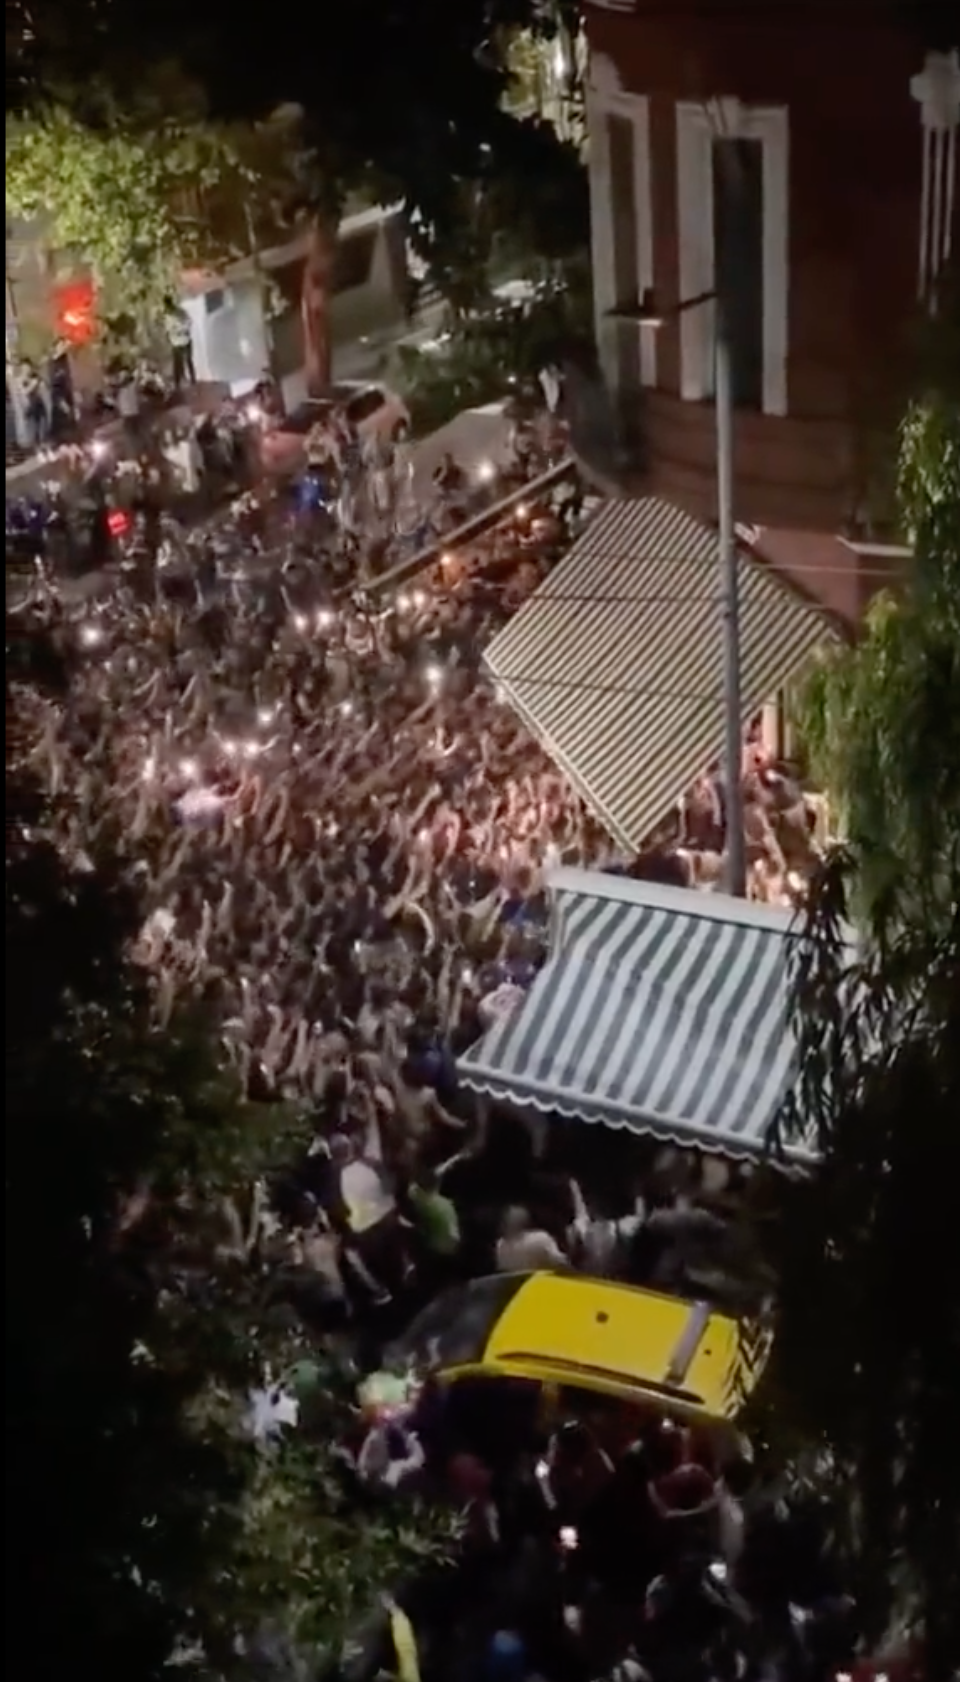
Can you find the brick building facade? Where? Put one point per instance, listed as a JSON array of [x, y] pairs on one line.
[[807, 156]]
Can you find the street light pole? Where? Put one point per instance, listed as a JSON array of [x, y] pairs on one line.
[[736, 864], [645, 314]]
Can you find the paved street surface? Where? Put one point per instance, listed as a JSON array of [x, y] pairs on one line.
[[26, 477], [362, 359], [478, 440]]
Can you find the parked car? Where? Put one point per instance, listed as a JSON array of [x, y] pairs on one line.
[[373, 409], [568, 1331]]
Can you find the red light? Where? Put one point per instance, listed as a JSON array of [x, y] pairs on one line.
[[75, 308], [118, 523]]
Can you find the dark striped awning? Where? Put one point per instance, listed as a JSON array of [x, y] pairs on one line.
[[616, 662], [665, 1010]]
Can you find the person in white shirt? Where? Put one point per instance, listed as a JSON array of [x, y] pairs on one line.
[[180, 339], [128, 398], [366, 1194], [601, 1246], [731, 1525], [375, 1250], [129, 409], [191, 457], [522, 1248], [183, 453], [550, 382]]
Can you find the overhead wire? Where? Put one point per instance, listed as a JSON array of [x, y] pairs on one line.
[[545, 598], [779, 573]]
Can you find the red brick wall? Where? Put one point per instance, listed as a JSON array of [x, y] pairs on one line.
[[855, 171]]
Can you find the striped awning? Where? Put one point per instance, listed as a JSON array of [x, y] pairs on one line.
[[665, 1010], [615, 663]]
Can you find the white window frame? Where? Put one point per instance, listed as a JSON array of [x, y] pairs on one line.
[[697, 128], [937, 90], [606, 99]]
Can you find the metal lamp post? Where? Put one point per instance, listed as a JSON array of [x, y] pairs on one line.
[[644, 314], [736, 860]]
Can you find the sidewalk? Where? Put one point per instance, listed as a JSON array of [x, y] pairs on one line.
[[362, 359], [33, 471], [368, 358]]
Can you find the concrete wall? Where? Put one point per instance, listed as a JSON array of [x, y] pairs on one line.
[[234, 341], [229, 333]]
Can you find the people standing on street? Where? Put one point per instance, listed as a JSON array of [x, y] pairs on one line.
[[62, 403], [185, 458], [549, 378], [35, 407], [181, 347], [268, 396], [129, 406]]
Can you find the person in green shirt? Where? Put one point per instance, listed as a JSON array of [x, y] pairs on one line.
[[435, 1216]]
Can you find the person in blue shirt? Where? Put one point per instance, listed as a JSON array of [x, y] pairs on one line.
[[312, 491], [506, 1658]]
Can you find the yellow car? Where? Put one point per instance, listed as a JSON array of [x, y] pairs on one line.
[[568, 1330]]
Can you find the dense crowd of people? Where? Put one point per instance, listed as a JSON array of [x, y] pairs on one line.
[[328, 803], [343, 837]]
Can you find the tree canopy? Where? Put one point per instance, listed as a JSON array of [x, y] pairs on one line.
[[131, 192], [868, 1352], [881, 719], [113, 1503], [402, 103]]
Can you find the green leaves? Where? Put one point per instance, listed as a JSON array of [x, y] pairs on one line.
[[868, 1352], [495, 337], [151, 163], [317, 1554], [882, 720], [134, 193]]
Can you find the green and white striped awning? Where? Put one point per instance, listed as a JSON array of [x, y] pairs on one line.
[[615, 663], [664, 1010]]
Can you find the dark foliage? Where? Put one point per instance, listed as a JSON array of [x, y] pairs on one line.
[[141, 1522], [867, 1359], [409, 95]]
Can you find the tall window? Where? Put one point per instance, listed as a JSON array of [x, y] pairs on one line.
[[621, 143], [738, 260], [621, 222], [733, 214]]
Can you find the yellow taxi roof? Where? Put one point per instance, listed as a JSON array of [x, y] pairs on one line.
[[598, 1333]]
